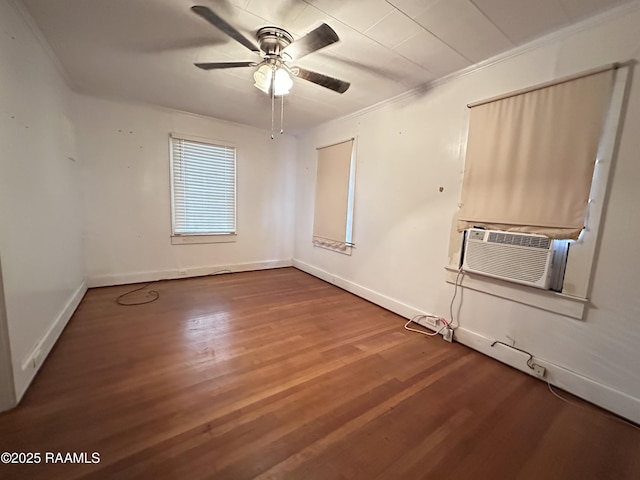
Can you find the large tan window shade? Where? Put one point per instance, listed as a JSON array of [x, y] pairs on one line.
[[334, 200], [531, 156]]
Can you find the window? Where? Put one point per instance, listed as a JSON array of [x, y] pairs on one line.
[[335, 181], [593, 173], [203, 191]]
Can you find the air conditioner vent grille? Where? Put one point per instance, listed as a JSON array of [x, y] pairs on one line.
[[520, 240], [525, 265]]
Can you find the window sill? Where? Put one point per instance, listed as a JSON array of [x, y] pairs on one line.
[[198, 239], [345, 251], [555, 302]]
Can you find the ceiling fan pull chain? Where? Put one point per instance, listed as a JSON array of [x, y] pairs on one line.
[[282, 115], [273, 99]]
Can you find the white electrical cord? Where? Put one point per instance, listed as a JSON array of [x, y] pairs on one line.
[[576, 404], [406, 325], [455, 292]]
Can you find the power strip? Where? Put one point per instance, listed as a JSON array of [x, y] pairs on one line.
[[436, 324], [431, 323]]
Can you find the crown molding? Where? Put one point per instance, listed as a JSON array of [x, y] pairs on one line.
[[42, 40], [540, 42]]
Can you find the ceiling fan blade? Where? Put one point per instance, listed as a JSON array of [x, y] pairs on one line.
[[313, 41], [219, 65], [322, 80], [220, 23]]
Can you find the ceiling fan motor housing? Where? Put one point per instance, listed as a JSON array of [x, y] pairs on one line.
[[273, 40]]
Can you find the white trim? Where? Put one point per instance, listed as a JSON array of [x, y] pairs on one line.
[[7, 388], [206, 140], [152, 276], [582, 252], [602, 395], [110, 97], [42, 40], [555, 302], [550, 83], [198, 239], [352, 193], [579, 385], [34, 360], [352, 139]]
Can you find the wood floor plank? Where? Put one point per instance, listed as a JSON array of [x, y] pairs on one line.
[[276, 374]]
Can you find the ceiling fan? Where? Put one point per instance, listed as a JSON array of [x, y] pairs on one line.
[[277, 48]]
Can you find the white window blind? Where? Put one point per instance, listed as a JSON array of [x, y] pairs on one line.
[[531, 156], [203, 188]]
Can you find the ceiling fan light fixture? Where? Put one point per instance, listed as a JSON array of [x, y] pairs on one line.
[[283, 82], [263, 77]]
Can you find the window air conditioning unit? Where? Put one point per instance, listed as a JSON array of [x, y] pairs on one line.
[[533, 260]]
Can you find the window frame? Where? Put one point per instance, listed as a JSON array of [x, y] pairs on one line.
[[202, 238]]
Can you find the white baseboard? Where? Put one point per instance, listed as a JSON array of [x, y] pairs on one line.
[[7, 388], [602, 395], [34, 360], [597, 393], [389, 303], [152, 276]]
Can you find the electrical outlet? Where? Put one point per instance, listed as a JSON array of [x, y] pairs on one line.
[[447, 334], [539, 370]]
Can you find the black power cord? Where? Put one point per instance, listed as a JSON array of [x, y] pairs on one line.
[[529, 361], [153, 294]]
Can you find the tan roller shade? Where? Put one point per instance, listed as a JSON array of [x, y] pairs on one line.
[[332, 195], [530, 157]]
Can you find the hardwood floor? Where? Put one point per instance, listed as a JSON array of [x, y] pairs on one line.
[[276, 374]]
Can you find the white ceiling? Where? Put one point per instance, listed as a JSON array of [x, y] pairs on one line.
[[144, 50]]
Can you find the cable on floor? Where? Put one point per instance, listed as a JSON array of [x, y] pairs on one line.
[[406, 325], [576, 404], [153, 295]]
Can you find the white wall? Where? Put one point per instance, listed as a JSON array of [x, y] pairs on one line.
[[127, 215], [40, 221], [410, 147]]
